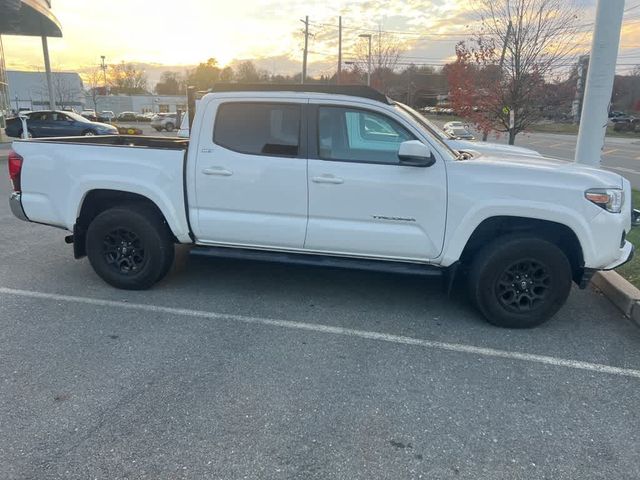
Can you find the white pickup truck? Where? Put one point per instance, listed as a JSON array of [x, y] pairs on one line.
[[338, 176]]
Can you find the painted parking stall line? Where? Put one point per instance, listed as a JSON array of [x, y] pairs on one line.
[[325, 329]]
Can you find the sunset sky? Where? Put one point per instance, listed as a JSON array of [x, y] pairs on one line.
[[175, 33]]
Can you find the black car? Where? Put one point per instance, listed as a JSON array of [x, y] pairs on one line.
[[55, 123]]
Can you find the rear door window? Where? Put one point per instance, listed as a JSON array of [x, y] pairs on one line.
[[271, 129]]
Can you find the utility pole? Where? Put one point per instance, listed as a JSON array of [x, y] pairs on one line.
[[368, 35], [339, 74], [306, 49], [600, 77]]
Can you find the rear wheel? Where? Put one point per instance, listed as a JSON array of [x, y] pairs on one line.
[[130, 247], [169, 127], [520, 282]]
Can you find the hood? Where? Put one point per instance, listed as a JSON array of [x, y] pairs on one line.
[[553, 166], [487, 147]]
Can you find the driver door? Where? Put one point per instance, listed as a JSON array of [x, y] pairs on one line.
[[361, 200]]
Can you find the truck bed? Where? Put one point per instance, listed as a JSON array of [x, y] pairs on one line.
[[59, 173]]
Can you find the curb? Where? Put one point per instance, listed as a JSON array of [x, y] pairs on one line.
[[620, 292]]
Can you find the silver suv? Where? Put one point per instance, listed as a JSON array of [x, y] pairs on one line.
[[165, 121]]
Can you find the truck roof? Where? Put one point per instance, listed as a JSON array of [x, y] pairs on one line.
[[351, 90]]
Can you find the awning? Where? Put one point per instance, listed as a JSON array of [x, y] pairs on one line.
[[28, 17]]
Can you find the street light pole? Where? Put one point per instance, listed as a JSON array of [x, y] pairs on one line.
[[368, 35], [104, 72], [47, 69]]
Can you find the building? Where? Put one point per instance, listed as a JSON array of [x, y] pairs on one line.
[[29, 18], [136, 103], [29, 90]]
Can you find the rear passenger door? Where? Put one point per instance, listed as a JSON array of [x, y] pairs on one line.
[[251, 174]]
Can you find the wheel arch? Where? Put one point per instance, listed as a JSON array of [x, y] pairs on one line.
[[557, 233], [97, 201]]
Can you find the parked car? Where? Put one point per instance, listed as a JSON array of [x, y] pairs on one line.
[[518, 229], [454, 125], [89, 115], [127, 117], [621, 118], [165, 121], [56, 123], [460, 133], [630, 125], [107, 116]]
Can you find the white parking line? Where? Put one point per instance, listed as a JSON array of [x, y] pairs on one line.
[[347, 332]]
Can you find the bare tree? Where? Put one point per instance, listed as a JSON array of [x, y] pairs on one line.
[[538, 37], [94, 80], [66, 91], [386, 50], [127, 78]]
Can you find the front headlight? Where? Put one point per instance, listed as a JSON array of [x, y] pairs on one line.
[[610, 199]]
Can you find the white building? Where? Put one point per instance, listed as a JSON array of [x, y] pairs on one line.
[[29, 90], [137, 103]]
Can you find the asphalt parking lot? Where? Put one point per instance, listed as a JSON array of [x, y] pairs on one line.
[[232, 370]]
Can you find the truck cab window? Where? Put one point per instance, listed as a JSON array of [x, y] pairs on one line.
[[359, 136], [259, 128]]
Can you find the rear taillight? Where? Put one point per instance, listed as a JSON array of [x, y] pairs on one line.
[[15, 167]]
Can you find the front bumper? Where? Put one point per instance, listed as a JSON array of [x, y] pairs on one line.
[[15, 202], [626, 254]]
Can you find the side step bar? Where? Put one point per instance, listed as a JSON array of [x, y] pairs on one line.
[[318, 260]]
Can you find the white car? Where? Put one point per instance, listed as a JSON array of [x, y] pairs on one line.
[[454, 125], [164, 121], [469, 146], [329, 175], [108, 115]]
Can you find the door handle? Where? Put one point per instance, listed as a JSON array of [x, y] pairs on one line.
[[327, 179], [220, 171]]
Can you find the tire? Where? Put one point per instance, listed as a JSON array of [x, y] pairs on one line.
[[148, 247], [519, 282], [169, 127]]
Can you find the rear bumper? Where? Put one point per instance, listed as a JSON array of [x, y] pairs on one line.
[[15, 202]]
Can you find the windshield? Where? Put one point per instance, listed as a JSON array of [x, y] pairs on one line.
[[433, 130], [76, 117]]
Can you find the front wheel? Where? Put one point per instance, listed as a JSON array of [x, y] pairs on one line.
[[520, 282], [169, 127], [130, 247]]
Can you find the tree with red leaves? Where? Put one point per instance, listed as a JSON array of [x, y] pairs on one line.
[[534, 37]]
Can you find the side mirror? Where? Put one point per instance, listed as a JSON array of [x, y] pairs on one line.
[[415, 154]]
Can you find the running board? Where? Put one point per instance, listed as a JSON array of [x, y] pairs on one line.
[[319, 260]]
